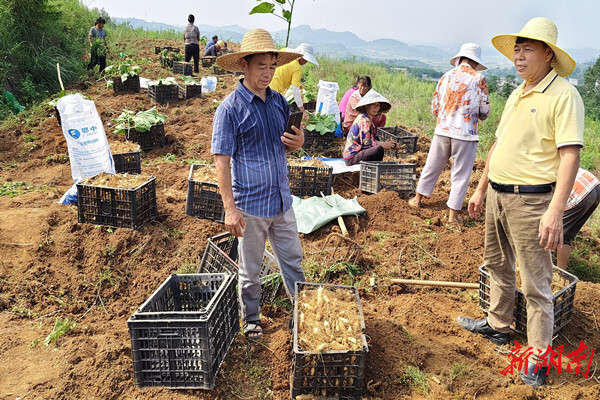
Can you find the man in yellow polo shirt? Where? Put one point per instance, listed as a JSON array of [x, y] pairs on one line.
[[528, 177], [290, 75]]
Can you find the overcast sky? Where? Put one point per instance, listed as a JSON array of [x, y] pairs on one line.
[[435, 22]]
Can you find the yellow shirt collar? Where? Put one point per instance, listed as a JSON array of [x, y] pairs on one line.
[[543, 85]]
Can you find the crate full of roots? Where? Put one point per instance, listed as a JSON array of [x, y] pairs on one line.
[[219, 71], [203, 197], [119, 200], [309, 177], [221, 255], [208, 61], [406, 142], [190, 88], [563, 294], [181, 334], [126, 156], [182, 67], [330, 347], [163, 91], [376, 176]]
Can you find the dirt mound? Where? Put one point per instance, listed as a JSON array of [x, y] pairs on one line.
[[53, 267]]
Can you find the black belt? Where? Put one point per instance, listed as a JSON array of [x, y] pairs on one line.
[[499, 187]]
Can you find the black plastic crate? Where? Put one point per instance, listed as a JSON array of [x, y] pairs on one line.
[[166, 61], [157, 49], [204, 199], [376, 176], [310, 181], [407, 141], [190, 91], [219, 71], [184, 68], [155, 137], [128, 162], [562, 300], [221, 255], [313, 140], [121, 208], [163, 93], [208, 61], [328, 374], [131, 85], [181, 334], [311, 106]]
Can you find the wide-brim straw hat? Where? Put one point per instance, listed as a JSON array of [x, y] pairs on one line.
[[541, 29], [373, 97], [471, 51], [256, 41]]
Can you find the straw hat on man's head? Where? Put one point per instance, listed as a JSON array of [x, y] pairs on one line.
[[541, 29], [471, 51], [373, 97], [256, 41]]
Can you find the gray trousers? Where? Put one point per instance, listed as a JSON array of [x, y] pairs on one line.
[[282, 232], [463, 154]]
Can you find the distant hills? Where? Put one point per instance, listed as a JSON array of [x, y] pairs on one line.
[[347, 44]]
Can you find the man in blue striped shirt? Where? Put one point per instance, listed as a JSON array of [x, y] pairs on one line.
[[248, 132]]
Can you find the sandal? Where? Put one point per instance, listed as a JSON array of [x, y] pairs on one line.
[[253, 330]]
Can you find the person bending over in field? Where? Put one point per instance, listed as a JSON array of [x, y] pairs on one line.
[[216, 49], [459, 102], [289, 76], [582, 202], [248, 132], [362, 143], [211, 42]]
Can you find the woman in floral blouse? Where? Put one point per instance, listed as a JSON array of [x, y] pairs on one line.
[[362, 143]]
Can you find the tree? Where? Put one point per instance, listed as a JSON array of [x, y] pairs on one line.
[[509, 85], [591, 90], [493, 82], [268, 7]]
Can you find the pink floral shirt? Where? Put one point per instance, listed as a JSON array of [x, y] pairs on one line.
[[460, 100], [361, 136]]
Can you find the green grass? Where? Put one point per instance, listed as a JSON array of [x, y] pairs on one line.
[[12, 189], [61, 327], [584, 262], [417, 379]]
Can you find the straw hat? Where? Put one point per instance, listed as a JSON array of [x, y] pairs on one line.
[[471, 51], [541, 29], [307, 53], [222, 44], [255, 41], [373, 97]]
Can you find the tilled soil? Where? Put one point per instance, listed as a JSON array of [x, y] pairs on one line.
[[52, 266]]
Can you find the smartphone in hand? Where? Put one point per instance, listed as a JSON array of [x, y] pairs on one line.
[[295, 120]]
